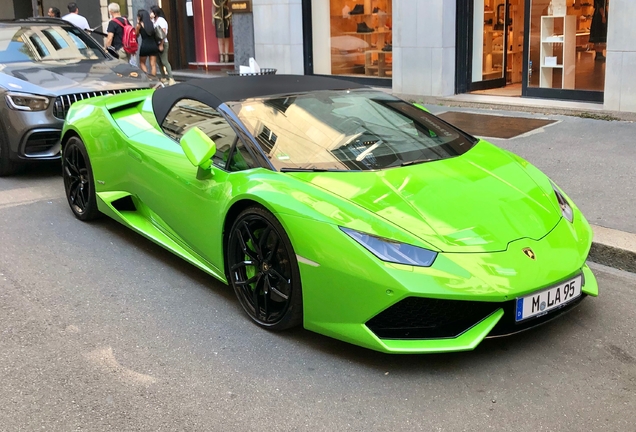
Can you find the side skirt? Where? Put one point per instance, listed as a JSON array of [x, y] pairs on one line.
[[145, 226]]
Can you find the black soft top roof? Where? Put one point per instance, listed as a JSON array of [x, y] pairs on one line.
[[216, 91]]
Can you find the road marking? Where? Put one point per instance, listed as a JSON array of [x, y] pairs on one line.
[[28, 195]]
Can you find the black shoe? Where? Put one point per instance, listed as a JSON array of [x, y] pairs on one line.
[[376, 9], [364, 28], [357, 10], [388, 47]]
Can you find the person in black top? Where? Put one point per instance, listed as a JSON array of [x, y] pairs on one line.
[[149, 48], [598, 29], [115, 32]]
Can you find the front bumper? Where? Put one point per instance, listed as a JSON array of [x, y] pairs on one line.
[[345, 289], [32, 135]]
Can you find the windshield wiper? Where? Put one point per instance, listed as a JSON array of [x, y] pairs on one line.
[[417, 161]]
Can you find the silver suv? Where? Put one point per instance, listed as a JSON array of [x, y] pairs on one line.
[[45, 66]]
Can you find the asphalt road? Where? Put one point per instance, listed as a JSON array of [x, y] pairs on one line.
[[102, 330]]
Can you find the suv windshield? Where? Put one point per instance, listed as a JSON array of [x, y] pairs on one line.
[[40, 43], [348, 130]]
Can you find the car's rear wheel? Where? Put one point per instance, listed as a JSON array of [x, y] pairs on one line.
[[78, 180], [263, 270]]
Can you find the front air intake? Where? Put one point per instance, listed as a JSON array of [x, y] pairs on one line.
[[427, 318]]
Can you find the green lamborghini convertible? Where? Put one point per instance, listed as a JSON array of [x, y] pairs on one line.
[[331, 205]]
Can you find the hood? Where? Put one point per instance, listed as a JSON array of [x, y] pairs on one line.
[[477, 202], [58, 78]]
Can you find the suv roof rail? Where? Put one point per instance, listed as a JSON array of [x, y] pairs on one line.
[[37, 19]]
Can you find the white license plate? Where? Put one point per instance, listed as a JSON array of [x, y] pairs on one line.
[[540, 303]]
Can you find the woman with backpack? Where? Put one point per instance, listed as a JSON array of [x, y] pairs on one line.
[[159, 20], [149, 48]]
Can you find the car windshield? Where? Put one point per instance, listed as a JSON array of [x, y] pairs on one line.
[[348, 130], [41, 43]]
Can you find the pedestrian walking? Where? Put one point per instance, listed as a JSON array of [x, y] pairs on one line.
[[75, 18], [115, 32], [159, 20], [149, 48]]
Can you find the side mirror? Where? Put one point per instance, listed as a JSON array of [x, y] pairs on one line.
[[198, 148]]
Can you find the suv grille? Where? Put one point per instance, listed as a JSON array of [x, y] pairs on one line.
[[63, 103]]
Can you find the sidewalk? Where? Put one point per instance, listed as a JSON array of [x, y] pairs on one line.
[[589, 152], [187, 74]]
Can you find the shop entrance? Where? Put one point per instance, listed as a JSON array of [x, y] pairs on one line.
[[535, 48], [497, 49]]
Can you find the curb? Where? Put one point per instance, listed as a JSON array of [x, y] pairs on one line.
[[613, 248], [591, 111]]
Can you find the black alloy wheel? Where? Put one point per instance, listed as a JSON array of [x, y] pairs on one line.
[[78, 180], [263, 270]]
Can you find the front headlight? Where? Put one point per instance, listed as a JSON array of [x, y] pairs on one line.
[[390, 251], [566, 209], [27, 102]]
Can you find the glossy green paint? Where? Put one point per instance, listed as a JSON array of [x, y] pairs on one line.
[[198, 147], [478, 210]]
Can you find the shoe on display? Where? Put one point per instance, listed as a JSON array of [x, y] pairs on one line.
[[376, 9], [364, 28], [388, 48], [357, 9]]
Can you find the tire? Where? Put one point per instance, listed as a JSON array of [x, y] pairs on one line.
[[263, 270], [79, 183], [7, 166]]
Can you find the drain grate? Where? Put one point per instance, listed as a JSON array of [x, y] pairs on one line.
[[493, 126]]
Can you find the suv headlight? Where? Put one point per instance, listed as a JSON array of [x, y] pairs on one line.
[[27, 102], [391, 251], [566, 209]]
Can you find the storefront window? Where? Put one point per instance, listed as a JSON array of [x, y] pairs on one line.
[[567, 44], [353, 38]]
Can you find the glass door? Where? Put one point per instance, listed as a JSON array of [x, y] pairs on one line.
[[490, 47]]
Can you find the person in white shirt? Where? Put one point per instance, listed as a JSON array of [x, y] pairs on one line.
[[158, 19], [75, 18]]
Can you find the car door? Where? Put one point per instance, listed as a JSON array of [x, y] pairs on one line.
[[189, 210]]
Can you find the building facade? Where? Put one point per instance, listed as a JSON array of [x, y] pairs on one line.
[[552, 49]]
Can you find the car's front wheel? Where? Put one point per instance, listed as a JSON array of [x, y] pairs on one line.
[[263, 270], [79, 184], [7, 166]]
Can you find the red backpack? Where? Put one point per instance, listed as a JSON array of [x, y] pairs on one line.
[[130, 37]]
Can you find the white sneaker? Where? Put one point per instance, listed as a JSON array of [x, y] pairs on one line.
[[171, 81]]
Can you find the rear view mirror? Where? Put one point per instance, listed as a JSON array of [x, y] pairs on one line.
[[198, 148]]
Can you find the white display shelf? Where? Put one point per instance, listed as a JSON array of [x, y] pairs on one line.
[[555, 45]]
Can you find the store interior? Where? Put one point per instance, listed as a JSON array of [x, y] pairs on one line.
[[561, 54], [361, 37]]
